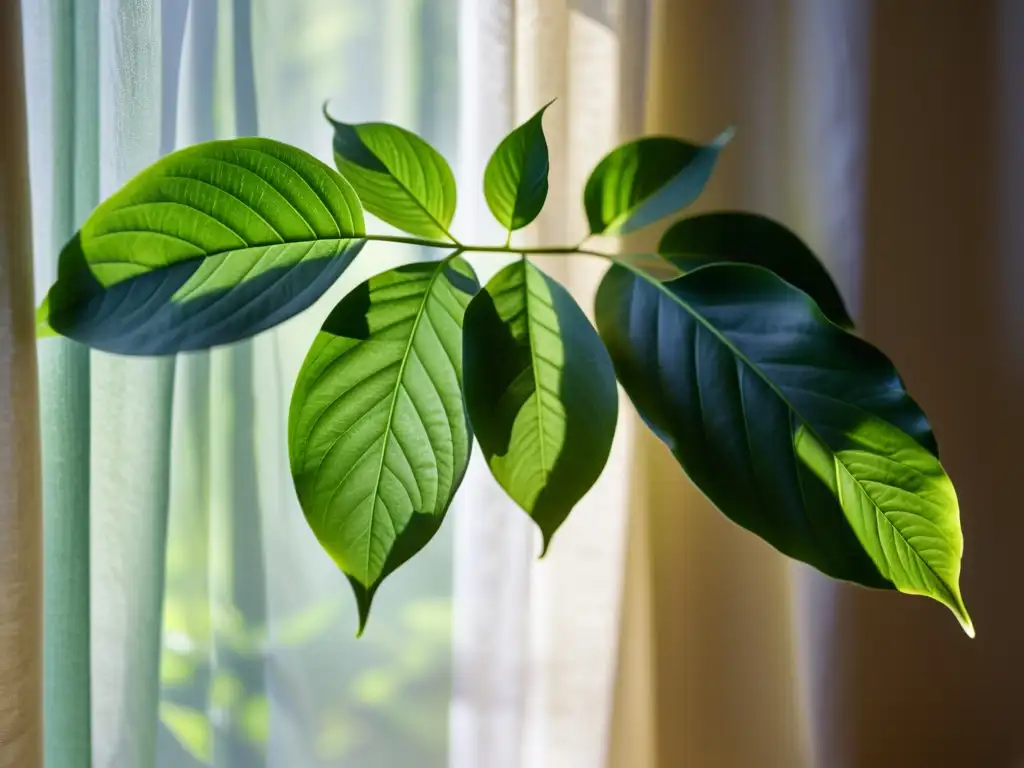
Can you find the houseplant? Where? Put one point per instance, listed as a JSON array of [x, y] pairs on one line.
[[732, 342]]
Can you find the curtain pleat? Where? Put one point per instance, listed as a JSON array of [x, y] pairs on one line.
[[131, 418], [64, 390], [734, 647], [493, 539], [536, 643], [21, 626], [941, 293]]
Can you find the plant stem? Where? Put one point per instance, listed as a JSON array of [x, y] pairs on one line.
[[426, 243], [576, 250]]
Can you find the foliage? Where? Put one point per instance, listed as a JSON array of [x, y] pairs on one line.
[[732, 343]]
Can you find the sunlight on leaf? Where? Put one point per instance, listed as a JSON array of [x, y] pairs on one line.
[[795, 429], [383, 375], [191, 728], [210, 245], [646, 180], [540, 391]]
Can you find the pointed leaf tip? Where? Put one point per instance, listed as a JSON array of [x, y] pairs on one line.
[[354, 481], [516, 176]]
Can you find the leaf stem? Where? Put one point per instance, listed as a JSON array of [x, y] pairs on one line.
[[626, 260], [552, 249]]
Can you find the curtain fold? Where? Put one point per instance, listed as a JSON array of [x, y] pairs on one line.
[[21, 625], [735, 647], [536, 642], [900, 163], [73, 154]]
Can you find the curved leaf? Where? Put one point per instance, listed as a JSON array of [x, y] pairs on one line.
[[399, 177], [540, 391], [747, 238], [646, 180], [207, 246], [378, 436], [795, 429], [516, 177]]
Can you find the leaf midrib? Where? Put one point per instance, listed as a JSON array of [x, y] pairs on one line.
[[533, 364], [739, 354], [210, 255], [420, 313]]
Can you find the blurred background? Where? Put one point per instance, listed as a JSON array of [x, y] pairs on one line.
[[191, 617]]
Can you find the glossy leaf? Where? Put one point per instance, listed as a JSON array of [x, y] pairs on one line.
[[795, 429], [207, 246], [378, 435], [540, 391], [516, 177], [646, 180], [399, 177], [747, 238]]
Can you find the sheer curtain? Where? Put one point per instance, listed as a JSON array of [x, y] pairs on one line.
[[536, 642], [191, 618]]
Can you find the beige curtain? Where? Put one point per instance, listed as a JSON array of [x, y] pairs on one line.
[[891, 136], [21, 726]]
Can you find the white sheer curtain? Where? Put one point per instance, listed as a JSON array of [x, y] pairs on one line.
[[536, 642], [191, 618]]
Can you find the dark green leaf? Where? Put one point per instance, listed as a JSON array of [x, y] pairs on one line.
[[540, 391], [516, 178], [646, 180], [795, 429], [378, 435], [734, 236], [209, 245], [399, 177]]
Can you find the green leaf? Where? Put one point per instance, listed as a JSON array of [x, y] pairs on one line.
[[797, 430], [207, 246], [516, 177], [399, 177], [378, 435], [43, 327], [540, 391], [734, 236], [646, 180]]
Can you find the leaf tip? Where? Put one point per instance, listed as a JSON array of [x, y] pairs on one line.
[[724, 137], [545, 545], [364, 598], [326, 114], [43, 327], [960, 611]]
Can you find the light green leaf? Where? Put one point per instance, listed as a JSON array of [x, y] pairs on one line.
[[646, 180], [378, 435], [516, 177], [747, 238], [190, 728], [43, 328], [207, 246], [540, 391], [797, 430], [399, 177]]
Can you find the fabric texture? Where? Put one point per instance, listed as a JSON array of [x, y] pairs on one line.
[[21, 625], [536, 642], [888, 136], [191, 619]]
